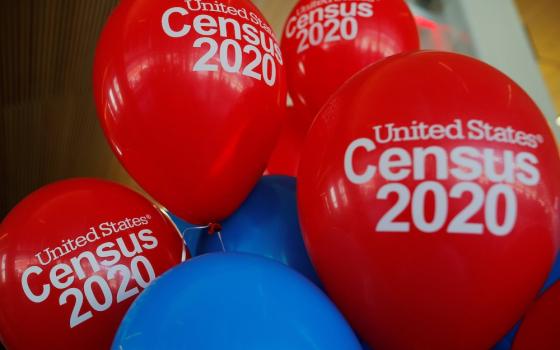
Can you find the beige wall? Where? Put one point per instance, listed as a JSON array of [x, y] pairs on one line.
[[542, 19], [276, 12]]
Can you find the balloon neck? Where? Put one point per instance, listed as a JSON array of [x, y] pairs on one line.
[[213, 228]]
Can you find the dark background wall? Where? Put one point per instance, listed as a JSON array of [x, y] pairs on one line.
[[48, 127]]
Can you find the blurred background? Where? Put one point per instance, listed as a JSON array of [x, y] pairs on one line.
[[49, 130]]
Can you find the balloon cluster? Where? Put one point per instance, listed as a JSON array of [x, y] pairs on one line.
[[425, 215]]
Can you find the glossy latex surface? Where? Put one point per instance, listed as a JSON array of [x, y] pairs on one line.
[[191, 99], [405, 274], [286, 154], [234, 301], [73, 256], [267, 224], [325, 44]]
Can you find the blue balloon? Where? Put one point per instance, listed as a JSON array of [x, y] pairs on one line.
[[507, 342], [267, 224], [236, 302], [191, 233], [554, 275]]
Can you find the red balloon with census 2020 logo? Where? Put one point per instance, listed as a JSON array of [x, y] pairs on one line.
[[73, 257], [191, 96], [326, 42], [429, 199]]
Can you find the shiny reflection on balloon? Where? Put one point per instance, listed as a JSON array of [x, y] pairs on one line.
[[3, 267], [342, 192], [509, 94], [136, 69], [115, 97], [451, 70], [380, 44], [301, 67], [333, 197]]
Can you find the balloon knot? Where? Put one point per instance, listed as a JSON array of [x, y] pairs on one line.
[[213, 228]]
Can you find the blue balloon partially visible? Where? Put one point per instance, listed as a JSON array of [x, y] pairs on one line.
[[507, 342], [235, 302], [554, 275], [267, 224], [191, 233]]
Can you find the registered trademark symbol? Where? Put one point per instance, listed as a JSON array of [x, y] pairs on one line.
[[148, 216], [540, 139]]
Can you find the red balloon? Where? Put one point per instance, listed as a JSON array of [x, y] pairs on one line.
[[541, 326], [191, 97], [286, 154], [428, 193], [325, 43], [73, 257]]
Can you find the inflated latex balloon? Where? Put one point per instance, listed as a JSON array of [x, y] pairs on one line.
[[191, 97], [428, 194], [541, 325], [267, 224], [554, 276], [286, 154], [191, 233], [325, 43], [73, 256], [237, 302]]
